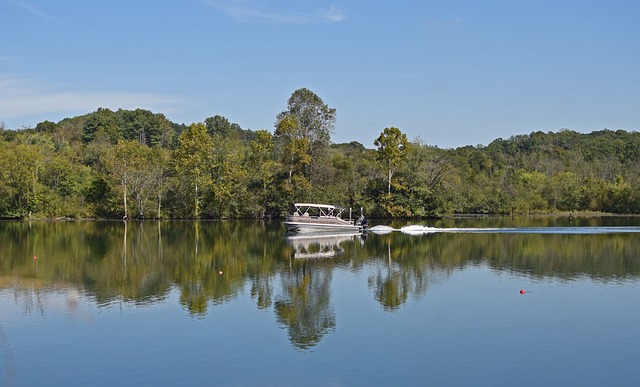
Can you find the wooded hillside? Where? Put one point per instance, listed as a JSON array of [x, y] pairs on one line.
[[138, 164]]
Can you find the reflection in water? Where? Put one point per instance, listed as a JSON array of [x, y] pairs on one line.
[[398, 276], [308, 246], [38, 298], [390, 289], [305, 304], [210, 263]]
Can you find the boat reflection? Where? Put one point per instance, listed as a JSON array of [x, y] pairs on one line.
[[318, 246]]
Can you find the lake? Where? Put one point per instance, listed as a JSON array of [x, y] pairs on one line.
[[475, 301]]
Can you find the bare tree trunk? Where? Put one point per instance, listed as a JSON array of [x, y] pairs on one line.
[[124, 194], [197, 205], [159, 199]]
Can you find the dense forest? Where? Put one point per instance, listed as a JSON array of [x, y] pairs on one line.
[[137, 164]]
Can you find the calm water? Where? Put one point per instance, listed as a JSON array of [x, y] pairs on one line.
[[240, 303]]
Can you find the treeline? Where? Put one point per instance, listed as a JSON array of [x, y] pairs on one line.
[[138, 164]]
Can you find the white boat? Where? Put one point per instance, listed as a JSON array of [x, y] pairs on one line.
[[321, 218]]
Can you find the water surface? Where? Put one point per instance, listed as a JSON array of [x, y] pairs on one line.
[[240, 303]]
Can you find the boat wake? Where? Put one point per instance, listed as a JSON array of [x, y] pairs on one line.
[[422, 230]]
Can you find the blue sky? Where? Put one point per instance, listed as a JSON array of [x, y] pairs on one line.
[[453, 73]]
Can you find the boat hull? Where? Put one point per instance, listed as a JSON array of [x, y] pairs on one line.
[[311, 227]]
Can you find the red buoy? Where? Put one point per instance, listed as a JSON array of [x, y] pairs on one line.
[[522, 291], [34, 258]]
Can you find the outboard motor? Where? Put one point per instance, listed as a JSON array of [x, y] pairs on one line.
[[362, 222]]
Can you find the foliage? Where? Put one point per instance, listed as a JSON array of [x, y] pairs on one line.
[[138, 164], [392, 145], [191, 163], [305, 129]]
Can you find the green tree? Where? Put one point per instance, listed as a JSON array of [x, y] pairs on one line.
[[392, 145], [565, 192], [102, 123], [21, 188], [432, 181], [221, 126], [263, 169], [228, 176], [192, 161], [158, 174], [294, 145], [126, 165], [138, 172], [46, 126], [530, 185], [314, 122], [66, 182], [150, 129], [8, 189]]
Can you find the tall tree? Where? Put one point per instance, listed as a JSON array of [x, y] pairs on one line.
[[158, 174], [314, 121], [129, 165], [146, 127], [102, 123], [220, 125], [262, 167], [228, 175], [294, 145], [23, 166], [192, 161], [46, 126], [392, 145]]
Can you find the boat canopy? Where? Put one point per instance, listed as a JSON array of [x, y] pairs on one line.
[[327, 210], [314, 205]]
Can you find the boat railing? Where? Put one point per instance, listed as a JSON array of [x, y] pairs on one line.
[[322, 213]]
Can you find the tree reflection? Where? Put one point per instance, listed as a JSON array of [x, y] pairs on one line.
[[211, 263], [305, 307], [194, 298], [391, 290], [213, 272], [397, 278], [262, 291]]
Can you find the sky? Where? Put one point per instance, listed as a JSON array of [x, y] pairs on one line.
[[447, 73]]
